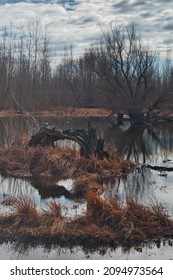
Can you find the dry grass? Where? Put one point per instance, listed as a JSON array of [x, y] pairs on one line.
[[60, 163], [61, 112], [84, 184], [22, 213], [105, 222]]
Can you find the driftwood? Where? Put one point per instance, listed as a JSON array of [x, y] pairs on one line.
[[159, 167], [87, 139]]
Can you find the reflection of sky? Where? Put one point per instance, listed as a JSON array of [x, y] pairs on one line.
[[146, 188], [79, 22], [10, 187], [148, 252], [16, 188]]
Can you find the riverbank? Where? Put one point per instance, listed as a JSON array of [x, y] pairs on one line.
[[59, 112]]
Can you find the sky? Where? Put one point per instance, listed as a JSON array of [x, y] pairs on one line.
[[79, 22]]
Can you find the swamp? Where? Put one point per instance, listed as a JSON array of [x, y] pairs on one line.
[[57, 204]]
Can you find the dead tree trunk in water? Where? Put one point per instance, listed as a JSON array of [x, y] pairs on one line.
[[89, 144]]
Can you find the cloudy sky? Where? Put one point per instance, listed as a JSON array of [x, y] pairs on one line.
[[78, 22]]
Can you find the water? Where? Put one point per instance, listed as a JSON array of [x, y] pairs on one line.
[[141, 145], [23, 251]]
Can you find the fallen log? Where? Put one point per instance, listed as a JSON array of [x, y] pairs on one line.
[[87, 139], [160, 167]]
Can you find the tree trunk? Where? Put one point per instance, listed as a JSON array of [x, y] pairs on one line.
[[89, 144], [137, 118]]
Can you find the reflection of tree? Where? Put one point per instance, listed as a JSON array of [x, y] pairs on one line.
[[50, 189], [12, 128], [135, 146], [136, 143], [16, 187], [137, 186]]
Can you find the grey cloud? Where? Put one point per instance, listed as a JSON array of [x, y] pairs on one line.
[[167, 41], [169, 18], [139, 3], [61, 2], [164, 1], [146, 14], [82, 20], [89, 19], [122, 5], [77, 21], [125, 6], [168, 27]]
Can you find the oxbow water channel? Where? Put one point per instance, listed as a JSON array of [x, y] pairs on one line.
[[142, 145]]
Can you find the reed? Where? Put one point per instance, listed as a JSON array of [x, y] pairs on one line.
[[22, 213], [83, 184], [61, 163], [105, 222]]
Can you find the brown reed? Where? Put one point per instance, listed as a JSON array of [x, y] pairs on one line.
[[105, 222]]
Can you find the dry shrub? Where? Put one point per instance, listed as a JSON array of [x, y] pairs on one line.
[[51, 214], [54, 209], [141, 222], [92, 231], [24, 212], [84, 184], [65, 163], [8, 202], [15, 154], [58, 226], [21, 140], [104, 213], [104, 169], [104, 221]]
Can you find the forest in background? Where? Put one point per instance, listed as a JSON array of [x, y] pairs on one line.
[[121, 73]]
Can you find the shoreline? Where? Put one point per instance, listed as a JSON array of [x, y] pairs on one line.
[[59, 112]]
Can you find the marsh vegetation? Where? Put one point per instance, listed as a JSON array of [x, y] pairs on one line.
[[106, 219], [119, 76]]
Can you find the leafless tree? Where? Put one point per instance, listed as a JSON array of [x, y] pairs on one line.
[[127, 66]]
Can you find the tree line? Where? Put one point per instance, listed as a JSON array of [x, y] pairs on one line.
[[122, 73]]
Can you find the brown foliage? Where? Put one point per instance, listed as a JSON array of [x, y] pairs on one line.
[[107, 222], [104, 221], [83, 184], [23, 212], [61, 163]]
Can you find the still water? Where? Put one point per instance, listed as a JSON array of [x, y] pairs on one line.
[[151, 145]]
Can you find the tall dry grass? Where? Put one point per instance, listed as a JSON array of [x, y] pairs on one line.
[[22, 213], [61, 163], [105, 222]]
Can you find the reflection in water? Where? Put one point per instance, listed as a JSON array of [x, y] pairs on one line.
[[142, 144], [21, 251], [38, 193], [139, 144], [144, 187], [12, 127]]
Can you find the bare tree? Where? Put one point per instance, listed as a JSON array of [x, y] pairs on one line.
[[127, 66]]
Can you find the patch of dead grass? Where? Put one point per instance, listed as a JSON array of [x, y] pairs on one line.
[[107, 222]]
